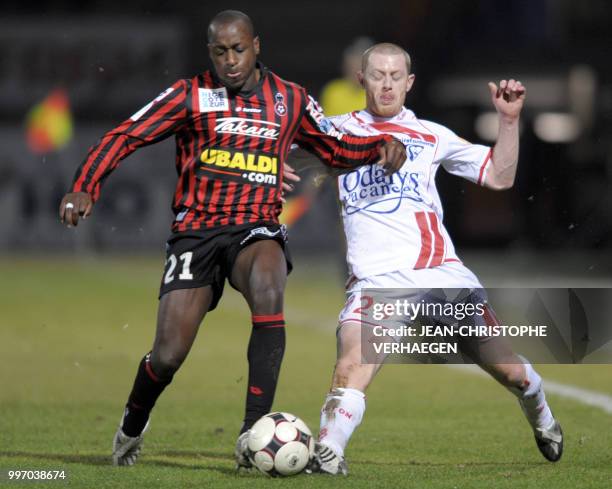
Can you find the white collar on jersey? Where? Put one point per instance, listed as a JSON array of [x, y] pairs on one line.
[[368, 118]]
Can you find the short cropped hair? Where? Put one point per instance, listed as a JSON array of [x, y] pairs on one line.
[[384, 48], [228, 17]]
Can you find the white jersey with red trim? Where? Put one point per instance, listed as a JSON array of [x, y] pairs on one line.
[[395, 222]]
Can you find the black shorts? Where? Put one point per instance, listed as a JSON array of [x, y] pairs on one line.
[[206, 257]]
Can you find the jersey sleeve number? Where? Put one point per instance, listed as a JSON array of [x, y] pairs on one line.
[[185, 272]]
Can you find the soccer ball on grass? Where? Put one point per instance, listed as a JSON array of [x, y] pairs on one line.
[[280, 444]]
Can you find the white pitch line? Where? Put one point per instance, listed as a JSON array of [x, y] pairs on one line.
[[585, 396], [578, 394]]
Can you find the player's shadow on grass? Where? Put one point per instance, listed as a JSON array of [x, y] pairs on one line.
[[62, 457], [202, 464], [151, 459], [463, 465], [193, 454]]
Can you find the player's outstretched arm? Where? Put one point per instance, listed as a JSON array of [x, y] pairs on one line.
[[73, 206], [159, 119], [508, 101], [344, 151]]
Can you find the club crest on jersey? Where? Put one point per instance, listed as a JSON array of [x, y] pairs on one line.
[[213, 99], [279, 104], [228, 164], [414, 150]]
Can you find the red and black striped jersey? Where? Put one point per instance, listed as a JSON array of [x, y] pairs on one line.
[[230, 147]]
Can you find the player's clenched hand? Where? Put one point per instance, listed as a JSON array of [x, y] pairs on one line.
[[74, 205], [288, 174], [392, 156], [508, 98]]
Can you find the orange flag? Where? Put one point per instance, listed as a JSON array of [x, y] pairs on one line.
[[294, 208], [49, 123]]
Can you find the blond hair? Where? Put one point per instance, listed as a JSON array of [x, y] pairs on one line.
[[384, 48]]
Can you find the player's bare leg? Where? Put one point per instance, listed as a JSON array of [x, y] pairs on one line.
[[519, 377], [178, 320], [260, 274], [344, 405], [349, 372], [496, 357]]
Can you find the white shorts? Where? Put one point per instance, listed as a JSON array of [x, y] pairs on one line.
[[447, 276]]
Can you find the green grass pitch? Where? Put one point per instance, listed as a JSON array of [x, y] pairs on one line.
[[72, 333]]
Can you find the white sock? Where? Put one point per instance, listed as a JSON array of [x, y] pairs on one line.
[[341, 414], [533, 401]]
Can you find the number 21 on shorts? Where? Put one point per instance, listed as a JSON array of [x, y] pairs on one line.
[[172, 261]]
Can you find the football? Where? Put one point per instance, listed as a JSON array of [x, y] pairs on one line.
[[280, 444]]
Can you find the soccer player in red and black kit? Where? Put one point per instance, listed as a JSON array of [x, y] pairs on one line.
[[234, 127]]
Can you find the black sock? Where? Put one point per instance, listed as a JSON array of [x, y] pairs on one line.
[[265, 354], [147, 388]]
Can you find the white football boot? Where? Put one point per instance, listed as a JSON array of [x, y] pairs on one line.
[[127, 448], [326, 461], [241, 452]]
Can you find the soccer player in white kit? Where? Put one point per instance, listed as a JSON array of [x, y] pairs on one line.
[[396, 239]]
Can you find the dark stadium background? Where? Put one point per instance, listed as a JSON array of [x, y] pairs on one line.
[[113, 57]]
